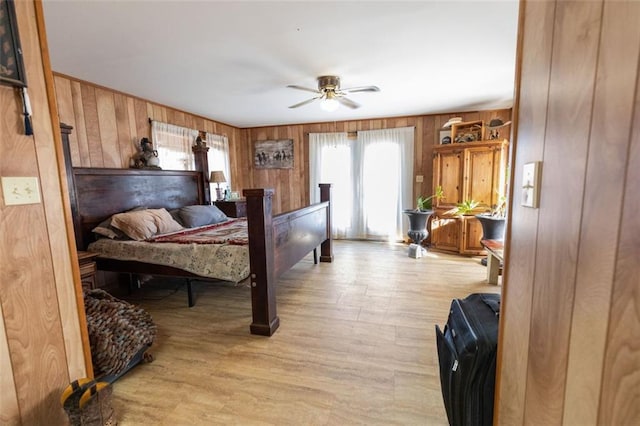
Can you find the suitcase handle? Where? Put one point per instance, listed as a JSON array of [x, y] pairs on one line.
[[492, 301]]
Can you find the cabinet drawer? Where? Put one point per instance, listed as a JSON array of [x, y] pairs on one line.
[[87, 269]]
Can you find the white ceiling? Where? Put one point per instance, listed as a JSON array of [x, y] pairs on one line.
[[232, 60]]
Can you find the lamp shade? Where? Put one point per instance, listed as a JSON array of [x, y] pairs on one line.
[[217, 176]]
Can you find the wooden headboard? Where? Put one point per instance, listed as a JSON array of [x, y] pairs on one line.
[[98, 193]]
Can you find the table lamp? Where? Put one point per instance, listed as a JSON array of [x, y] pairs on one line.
[[217, 176]]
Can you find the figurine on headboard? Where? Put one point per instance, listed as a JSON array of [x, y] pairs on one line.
[[147, 158]]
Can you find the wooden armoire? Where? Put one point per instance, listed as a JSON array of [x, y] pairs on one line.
[[466, 171]]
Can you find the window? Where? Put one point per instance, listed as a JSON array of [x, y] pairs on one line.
[[173, 144], [218, 157]]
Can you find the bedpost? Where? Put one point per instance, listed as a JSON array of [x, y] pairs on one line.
[[326, 252], [202, 166], [261, 258], [65, 131]]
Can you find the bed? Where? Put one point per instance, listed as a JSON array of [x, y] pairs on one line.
[[276, 242]]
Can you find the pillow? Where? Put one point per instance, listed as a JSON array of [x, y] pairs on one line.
[[194, 216], [143, 224], [165, 222], [105, 229], [175, 214]]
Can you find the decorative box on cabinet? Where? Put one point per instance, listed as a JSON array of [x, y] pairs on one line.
[[466, 171]]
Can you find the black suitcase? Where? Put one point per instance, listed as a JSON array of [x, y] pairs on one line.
[[467, 356]]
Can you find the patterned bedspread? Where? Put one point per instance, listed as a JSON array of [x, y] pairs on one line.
[[210, 251], [231, 232]]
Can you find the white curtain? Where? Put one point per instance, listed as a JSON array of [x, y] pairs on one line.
[[372, 181], [330, 162], [386, 182], [173, 144], [218, 157]]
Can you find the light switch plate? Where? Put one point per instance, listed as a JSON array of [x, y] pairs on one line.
[[419, 178], [531, 185], [20, 190]]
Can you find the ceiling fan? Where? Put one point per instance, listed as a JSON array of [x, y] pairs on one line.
[[330, 93]]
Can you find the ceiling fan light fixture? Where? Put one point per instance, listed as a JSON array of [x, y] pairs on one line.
[[330, 103], [330, 94]]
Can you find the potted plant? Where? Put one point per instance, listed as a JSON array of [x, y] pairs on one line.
[[418, 217], [465, 208], [493, 222]]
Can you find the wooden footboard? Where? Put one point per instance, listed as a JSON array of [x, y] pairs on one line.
[[277, 243]]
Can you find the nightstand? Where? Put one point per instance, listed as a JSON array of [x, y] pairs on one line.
[[235, 208], [88, 269]]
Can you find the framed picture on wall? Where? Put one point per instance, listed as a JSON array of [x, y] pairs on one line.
[[273, 154], [11, 63]]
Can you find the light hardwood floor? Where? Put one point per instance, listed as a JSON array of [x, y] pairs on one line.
[[356, 345]]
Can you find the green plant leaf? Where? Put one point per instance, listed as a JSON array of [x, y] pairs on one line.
[[466, 207], [426, 203]]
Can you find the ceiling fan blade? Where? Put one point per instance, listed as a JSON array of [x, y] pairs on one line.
[[361, 89], [293, 86], [304, 102], [347, 102]]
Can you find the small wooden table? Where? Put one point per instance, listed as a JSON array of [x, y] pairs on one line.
[[495, 248], [87, 269]]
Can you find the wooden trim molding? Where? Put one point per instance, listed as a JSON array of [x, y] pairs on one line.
[[53, 108]]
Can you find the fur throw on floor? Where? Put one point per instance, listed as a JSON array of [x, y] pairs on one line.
[[118, 331]]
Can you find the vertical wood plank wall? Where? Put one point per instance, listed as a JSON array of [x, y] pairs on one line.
[[292, 187], [108, 126], [570, 322], [40, 341]]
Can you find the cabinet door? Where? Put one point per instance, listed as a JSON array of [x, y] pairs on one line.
[[500, 158], [479, 176], [445, 233], [447, 167], [471, 236]]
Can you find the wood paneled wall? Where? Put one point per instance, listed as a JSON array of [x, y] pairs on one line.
[[292, 185], [570, 321], [108, 126], [40, 328]]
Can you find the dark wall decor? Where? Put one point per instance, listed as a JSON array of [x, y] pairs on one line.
[[275, 154], [11, 65]]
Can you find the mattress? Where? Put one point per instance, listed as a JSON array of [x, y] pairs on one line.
[[223, 258]]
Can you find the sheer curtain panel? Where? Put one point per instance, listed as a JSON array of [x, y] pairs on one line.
[[218, 157], [386, 186], [173, 144], [330, 162]]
